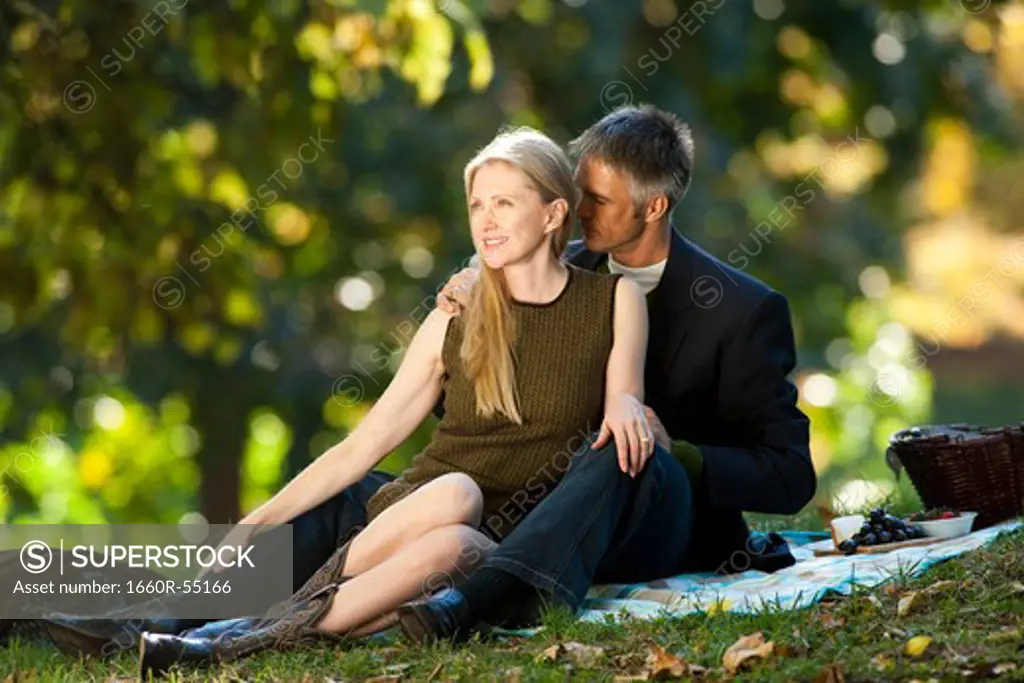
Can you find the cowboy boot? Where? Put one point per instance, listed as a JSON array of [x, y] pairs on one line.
[[240, 638], [103, 637], [287, 625], [109, 634], [330, 572]]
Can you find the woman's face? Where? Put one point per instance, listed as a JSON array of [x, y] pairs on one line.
[[506, 215]]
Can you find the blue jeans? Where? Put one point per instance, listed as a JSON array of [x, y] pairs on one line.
[[599, 525]]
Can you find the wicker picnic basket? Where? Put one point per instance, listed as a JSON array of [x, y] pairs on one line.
[[964, 467]]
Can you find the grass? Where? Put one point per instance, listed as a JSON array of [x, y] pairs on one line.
[[975, 623]]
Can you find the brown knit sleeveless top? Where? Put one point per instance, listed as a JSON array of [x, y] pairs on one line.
[[561, 355]]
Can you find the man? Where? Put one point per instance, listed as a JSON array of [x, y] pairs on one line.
[[730, 435]]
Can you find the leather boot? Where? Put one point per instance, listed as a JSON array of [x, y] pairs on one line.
[[286, 626], [102, 637], [240, 638]]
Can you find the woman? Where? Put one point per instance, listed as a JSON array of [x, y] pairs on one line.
[[517, 369]]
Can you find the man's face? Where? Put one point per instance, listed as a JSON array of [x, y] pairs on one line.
[[606, 210]]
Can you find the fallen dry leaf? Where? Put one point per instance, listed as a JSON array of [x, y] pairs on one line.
[[587, 656], [514, 675], [745, 649], [890, 589], [622, 678], [662, 665], [830, 621], [909, 602], [1016, 587], [833, 673], [917, 645], [550, 654], [1000, 669]]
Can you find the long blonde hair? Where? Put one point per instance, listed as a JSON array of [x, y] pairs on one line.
[[489, 327]]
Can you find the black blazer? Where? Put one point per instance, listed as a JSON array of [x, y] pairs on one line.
[[719, 353]]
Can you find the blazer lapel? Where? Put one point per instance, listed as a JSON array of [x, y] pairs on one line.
[[665, 304]]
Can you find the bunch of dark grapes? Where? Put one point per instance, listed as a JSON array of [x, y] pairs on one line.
[[881, 528]]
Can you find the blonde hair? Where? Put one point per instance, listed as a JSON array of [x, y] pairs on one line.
[[489, 328]]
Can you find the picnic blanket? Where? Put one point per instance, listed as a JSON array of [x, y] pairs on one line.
[[800, 585]]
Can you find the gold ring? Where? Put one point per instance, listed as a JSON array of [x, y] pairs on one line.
[[644, 439]]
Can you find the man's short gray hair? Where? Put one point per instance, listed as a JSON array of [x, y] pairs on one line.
[[652, 147]]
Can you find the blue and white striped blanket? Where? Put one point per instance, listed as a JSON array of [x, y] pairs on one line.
[[806, 582]]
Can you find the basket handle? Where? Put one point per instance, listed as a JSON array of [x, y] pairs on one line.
[[892, 459]]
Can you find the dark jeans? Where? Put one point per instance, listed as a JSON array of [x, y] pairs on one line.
[[599, 525]]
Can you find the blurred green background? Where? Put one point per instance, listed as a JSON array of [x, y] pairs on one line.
[[163, 354]]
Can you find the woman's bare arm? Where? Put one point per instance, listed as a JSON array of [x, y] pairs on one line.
[[624, 381], [407, 400], [625, 372]]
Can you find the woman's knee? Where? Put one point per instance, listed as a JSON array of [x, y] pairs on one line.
[[457, 546], [462, 496], [452, 553]]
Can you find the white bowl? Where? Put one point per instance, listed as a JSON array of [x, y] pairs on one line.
[[948, 528]]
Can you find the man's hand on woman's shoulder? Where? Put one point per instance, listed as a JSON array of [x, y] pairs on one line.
[[454, 296]]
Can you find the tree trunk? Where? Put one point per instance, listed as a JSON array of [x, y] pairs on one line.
[[221, 420]]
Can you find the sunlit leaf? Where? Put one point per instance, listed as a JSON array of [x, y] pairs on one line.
[[242, 308], [482, 63], [917, 645], [314, 42], [228, 188], [289, 224]]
